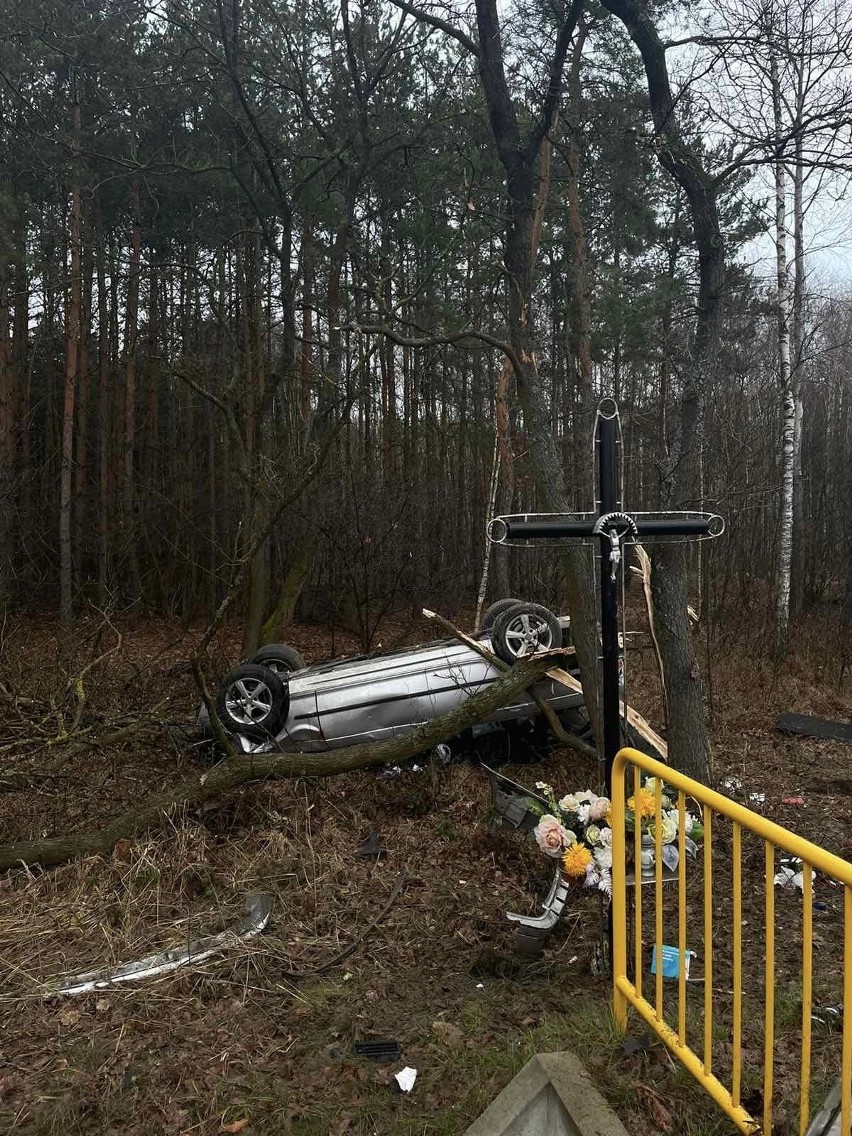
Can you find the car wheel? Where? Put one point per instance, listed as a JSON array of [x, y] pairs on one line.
[[525, 629], [279, 657], [576, 721], [254, 701], [495, 609]]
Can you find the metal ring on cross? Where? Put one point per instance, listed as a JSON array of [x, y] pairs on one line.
[[613, 522]]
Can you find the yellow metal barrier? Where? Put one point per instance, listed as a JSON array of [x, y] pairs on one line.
[[629, 992]]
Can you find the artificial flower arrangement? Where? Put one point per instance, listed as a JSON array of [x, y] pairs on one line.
[[578, 831]]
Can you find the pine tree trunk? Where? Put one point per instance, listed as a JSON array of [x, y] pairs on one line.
[[84, 383], [131, 330], [72, 349], [105, 455], [7, 443]]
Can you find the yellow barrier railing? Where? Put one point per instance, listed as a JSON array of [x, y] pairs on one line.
[[629, 992]]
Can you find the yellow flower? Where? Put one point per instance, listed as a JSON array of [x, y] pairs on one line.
[[576, 860], [643, 804]]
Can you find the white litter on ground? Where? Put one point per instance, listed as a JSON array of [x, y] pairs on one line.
[[405, 1078]]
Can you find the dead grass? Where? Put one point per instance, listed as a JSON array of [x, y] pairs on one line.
[[200, 1051]]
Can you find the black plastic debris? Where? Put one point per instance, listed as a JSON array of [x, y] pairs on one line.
[[372, 848], [377, 1050], [815, 727], [514, 805], [642, 1044]]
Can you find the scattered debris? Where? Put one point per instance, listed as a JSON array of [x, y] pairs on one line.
[[515, 806], [258, 911], [372, 848], [790, 873], [392, 772], [643, 1044], [671, 962], [387, 1050], [671, 856], [235, 1125], [405, 1078], [831, 1016], [734, 788], [812, 727], [442, 753], [599, 964], [552, 908]]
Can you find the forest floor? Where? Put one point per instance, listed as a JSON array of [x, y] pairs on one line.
[[238, 1044]]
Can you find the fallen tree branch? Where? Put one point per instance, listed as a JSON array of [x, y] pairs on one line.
[[14, 780], [644, 571], [641, 725], [544, 706], [247, 768]]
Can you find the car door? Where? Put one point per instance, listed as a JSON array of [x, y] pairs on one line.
[[373, 699]]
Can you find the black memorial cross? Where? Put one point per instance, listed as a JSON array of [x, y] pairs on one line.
[[614, 528]]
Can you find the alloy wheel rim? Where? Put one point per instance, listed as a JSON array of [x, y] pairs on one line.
[[528, 633], [249, 701]]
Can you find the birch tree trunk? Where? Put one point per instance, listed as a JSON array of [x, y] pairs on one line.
[[797, 583], [783, 301]]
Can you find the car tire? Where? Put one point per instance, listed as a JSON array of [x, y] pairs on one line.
[[254, 701], [495, 609], [577, 722], [524, 629], [279, 657]]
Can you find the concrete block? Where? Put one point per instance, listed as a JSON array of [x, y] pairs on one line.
[[551, 1096]]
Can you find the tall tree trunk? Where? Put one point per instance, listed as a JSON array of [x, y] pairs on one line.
[[783, 300], [23, 359], [72, 349], [81, 439], [256, 432], [578, 271], [105, 455], [7, 441], [306, 358], [520, 159], [797, 361], [688, 745], [131, 330]]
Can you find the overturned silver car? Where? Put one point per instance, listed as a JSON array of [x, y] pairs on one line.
[[276, 702]]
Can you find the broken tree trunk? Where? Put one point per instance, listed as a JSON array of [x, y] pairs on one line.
[[244, 769]]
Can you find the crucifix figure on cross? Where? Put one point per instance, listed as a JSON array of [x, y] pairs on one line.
[[611, 528]]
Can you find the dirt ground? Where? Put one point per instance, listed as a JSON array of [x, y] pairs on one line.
[[261, 1040]]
